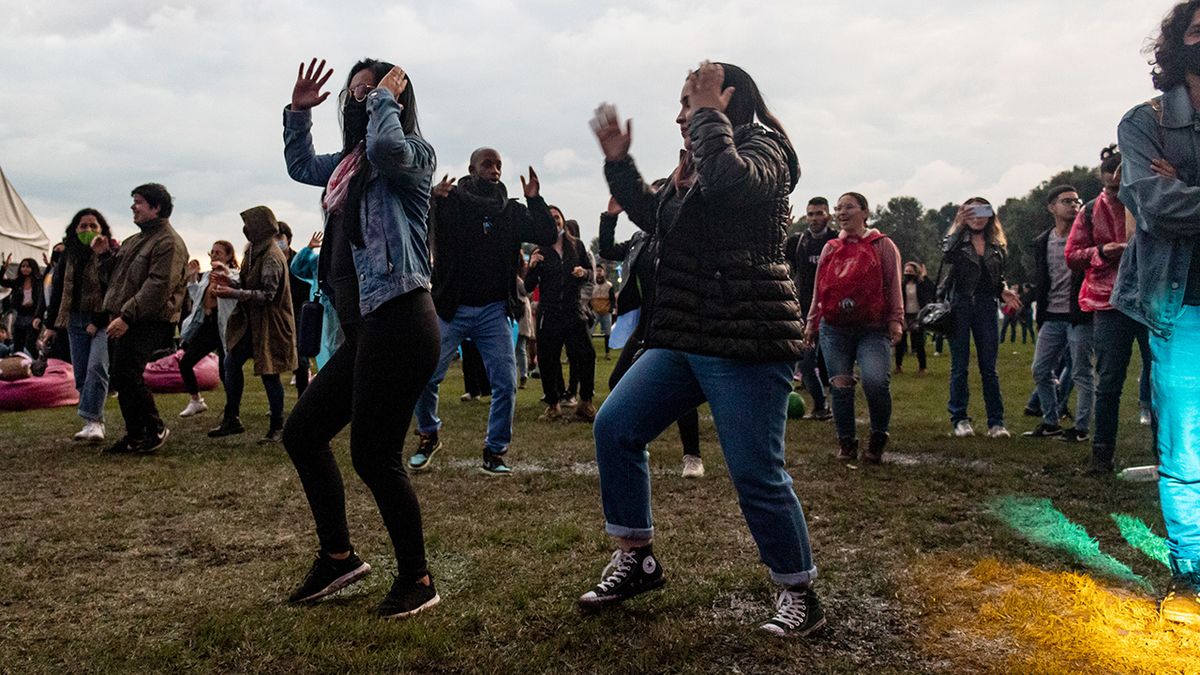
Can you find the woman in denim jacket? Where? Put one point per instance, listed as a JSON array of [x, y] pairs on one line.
[[374, 265]]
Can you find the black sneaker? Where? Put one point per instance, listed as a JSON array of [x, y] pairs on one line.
[[152, 443], [273, 436], [797, 613], [1098, 467], [1033, 412], [1044, 430], [124, 446], [426, 447], [228, 427], [627, 574], [328, 576], [1073, 436], [493, 464], [407, 598], [820, 414]]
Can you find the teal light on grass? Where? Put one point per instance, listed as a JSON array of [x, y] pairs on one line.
[[1037, 520], [1139, 536]]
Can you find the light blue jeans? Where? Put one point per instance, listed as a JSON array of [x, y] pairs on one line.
[[490, 330], [1175, 383], [89, 358], [872, 350], [749, 407], [1054, 337]]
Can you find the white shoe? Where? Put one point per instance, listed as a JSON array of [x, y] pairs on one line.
[[466, 397], [194, 407], [693, 466], [91, 432], [963, 429], [998, 431], [1144, 418]]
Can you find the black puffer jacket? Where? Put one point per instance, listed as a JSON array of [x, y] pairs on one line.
[[722, 287]]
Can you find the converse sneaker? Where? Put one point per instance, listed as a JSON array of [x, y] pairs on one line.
[[407, 598], [1044, 430], [426, 447], [963, 429], [693, 466], [92, 432], [328, 576], [195, 406], [998, 431], [629, 573], [797, 613], [493, 464], [1182, 603]]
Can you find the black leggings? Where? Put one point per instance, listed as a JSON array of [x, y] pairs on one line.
[[372, 383], [203, 343], [555, 332], [688, 422]]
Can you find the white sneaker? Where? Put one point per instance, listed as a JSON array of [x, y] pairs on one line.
[[194, 407], [1144, 418], [693, 466], [91, 432], [998, 431], [466, 397], [963, 429]]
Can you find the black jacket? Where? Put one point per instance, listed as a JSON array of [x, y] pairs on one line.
[[722, 285], [926, 291], [963, 267], [509, 220], [636, 289], [559, 296], [803, 251], [1041, 291]]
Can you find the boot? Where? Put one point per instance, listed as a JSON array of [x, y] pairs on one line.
[[849, 449], [874, 453]]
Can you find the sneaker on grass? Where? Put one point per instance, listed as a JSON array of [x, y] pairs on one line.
[[195, 406], [820, 414], [1073, 436], [963, 429], [629, 573], [407, 598], [797, 613], [693, 466], [92, 432], [426, 447], [1182, 603], [153, 442], [998, 431], [328, 576], [1044, 430], [493, 464]]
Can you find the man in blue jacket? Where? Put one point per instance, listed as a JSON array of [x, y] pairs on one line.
[[1159, 283]]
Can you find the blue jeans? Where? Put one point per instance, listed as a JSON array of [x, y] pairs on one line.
[[89, 358], [873, 351], [1113, 334], [1065, 385], [1055, 337], [749, 407], [975, 317], [488, 327], [1176, 395]]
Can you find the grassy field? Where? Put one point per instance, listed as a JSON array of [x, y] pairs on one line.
[[954, 556]]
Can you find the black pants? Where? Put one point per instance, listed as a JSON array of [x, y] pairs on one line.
[[206, 340], [372, 383], [475, 378], [302, 375], [555, 332], [912, 340], [688, 422], [235, 382], [130, 353]]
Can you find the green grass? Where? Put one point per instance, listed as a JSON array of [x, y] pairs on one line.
[[180, 562]]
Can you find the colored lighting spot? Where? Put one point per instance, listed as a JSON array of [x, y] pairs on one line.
[[1139, 536]]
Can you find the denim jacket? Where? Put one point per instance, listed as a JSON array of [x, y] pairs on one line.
[[1154, 269], [395, 204]]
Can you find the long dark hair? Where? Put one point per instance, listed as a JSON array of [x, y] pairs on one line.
[[104, 229], [1169, 68], [408, 97], [35, 269], [747, 102]]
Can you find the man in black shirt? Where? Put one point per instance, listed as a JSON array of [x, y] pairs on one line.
[[803, 251], [476, 235]]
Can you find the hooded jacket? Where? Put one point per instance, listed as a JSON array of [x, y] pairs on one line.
[[265, 299], [722, 283], [147, 277]]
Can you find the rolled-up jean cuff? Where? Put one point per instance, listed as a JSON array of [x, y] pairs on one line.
[[641, 534], [1181, 566], [794, 578]]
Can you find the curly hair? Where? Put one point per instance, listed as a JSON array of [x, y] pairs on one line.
[[1169, 67]]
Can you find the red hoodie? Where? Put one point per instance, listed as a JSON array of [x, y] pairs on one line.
[[1084, 245]]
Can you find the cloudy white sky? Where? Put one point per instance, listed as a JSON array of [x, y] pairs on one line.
[[939, 99]]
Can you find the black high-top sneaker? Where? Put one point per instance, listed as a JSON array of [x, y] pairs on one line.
[[797, 613], [627, 574]]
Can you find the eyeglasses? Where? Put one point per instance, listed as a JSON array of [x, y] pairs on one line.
[[1071, 202], [358, 91]]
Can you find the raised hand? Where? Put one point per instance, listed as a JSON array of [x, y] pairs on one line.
[[532, 187], [8, 259], [445, 187], [536, 257], [307, 91], [315, 241], [614, 141], [100, 245], [614, 209], [703, 88], [395, 81]]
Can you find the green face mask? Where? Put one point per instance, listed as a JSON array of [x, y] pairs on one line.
[[87, 237]]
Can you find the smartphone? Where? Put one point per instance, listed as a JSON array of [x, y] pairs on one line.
[[982, 211]]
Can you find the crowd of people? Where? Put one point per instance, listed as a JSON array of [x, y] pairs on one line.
[[716, 305]]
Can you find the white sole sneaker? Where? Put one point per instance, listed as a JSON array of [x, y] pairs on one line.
[[338, 584], [404, 615]]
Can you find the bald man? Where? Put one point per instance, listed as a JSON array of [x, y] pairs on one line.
[[476, 233]]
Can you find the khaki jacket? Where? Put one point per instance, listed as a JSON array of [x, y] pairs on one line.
[[265, 299]]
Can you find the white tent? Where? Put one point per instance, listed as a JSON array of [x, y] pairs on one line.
[[20, 234]]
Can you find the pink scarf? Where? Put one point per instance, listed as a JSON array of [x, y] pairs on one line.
[[339, 182]]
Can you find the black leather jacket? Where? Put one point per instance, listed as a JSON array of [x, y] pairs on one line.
[[964, 268]]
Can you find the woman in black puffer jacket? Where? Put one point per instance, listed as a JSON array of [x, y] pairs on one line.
[[724, 327]]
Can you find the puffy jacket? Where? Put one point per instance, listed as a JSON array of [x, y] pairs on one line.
[[1101, 222], [395, 205], [147, 277], [722, 283]]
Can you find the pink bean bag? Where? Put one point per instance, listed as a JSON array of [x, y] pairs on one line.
[[55, 388], [162, 376]]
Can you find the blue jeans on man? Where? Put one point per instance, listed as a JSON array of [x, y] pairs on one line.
[[975, 316], [490, 329], [1055, 336], [1113, 335], [89, 359], [749, 407]]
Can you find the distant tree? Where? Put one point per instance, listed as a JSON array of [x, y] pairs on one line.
[[1026, 217], [914, 233]]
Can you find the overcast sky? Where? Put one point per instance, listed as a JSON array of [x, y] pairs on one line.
[[940, 100]]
